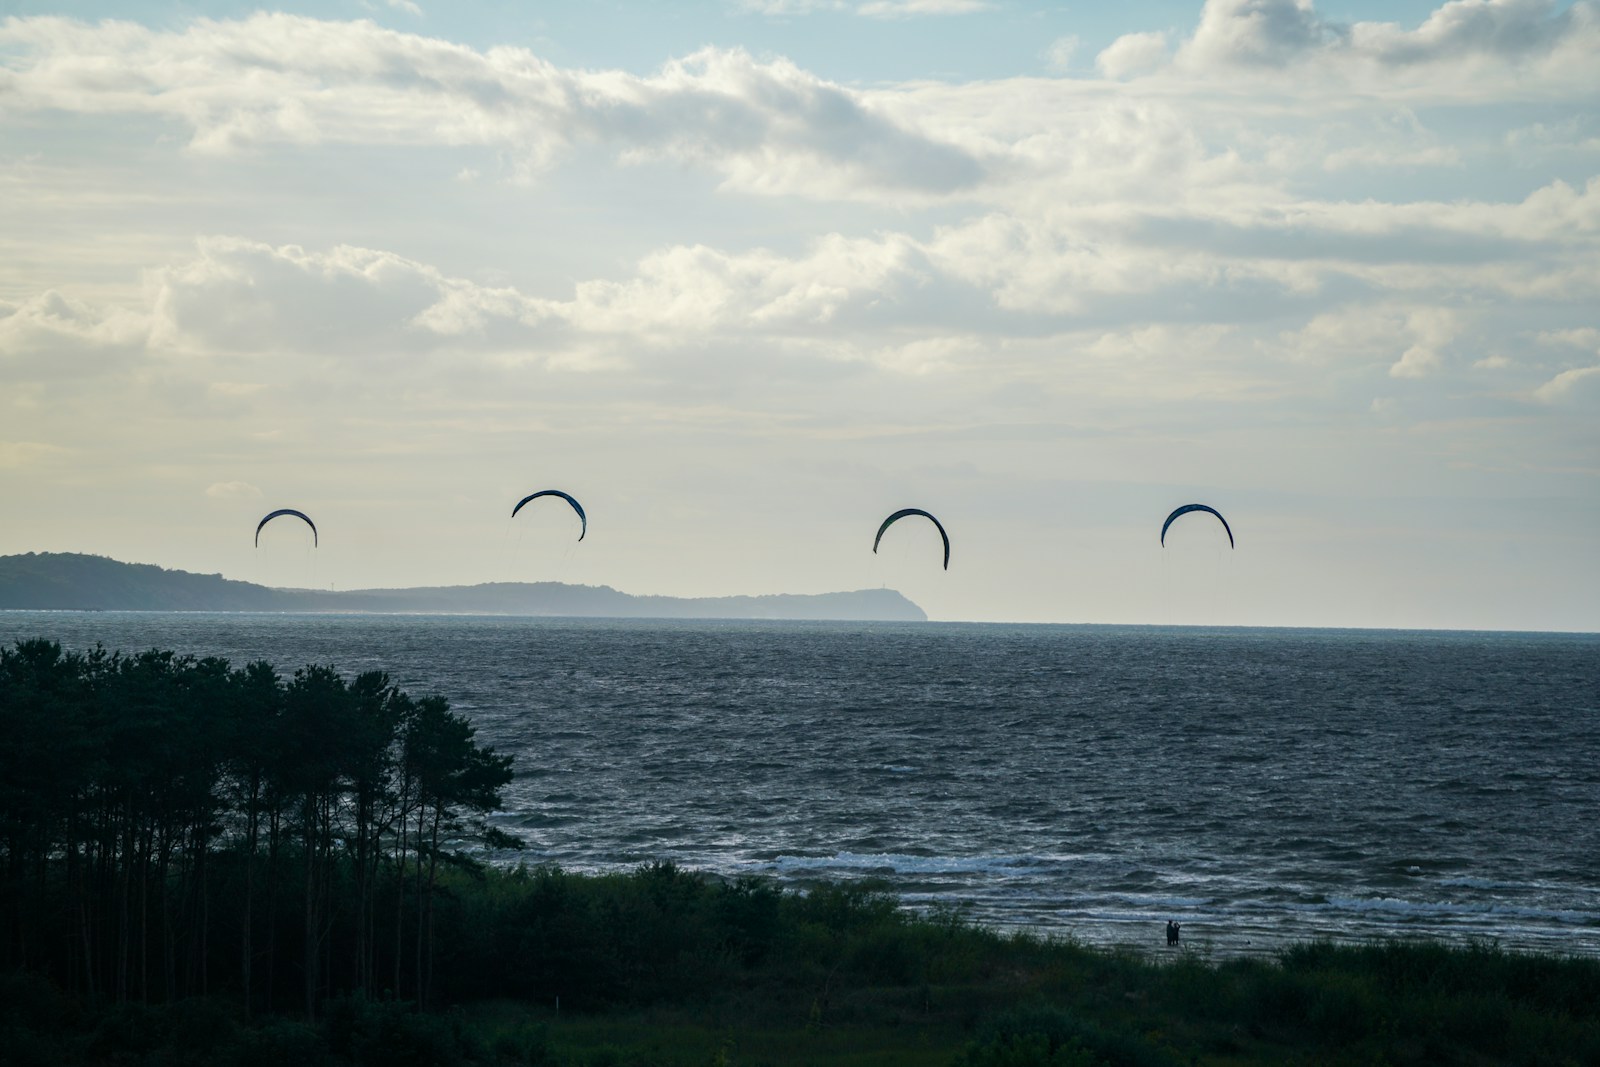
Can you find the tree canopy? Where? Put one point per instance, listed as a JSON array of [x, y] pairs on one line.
[[168, 821]]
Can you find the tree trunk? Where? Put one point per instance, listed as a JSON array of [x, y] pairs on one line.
[[309, 837], [247, 937]]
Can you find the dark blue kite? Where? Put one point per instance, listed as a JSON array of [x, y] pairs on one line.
[[287, 511], [1195, 507], [902, 513], [556, 492]]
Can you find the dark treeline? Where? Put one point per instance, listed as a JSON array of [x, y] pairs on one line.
[[174, 827]]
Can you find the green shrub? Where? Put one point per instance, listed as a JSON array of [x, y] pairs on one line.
[[33, 1002], [1027, 1050], [391, 1034], [26, 1048], [280, 1042], [1049, 1037], [126, 1033]]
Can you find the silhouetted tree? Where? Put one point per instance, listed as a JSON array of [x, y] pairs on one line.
[[138, 791]]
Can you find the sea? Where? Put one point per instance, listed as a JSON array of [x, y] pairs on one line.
[[1259, 786]]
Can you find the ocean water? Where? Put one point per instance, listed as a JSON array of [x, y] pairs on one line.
[[1260, 786]]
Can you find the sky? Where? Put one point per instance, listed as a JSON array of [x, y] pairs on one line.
[[746, 276]]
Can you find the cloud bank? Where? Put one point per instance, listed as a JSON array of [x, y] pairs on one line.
[[285, 79]]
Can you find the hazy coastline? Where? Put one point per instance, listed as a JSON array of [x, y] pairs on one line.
[[58, 581]]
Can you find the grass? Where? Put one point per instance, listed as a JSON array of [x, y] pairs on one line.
[[662, 967], [680, 1039]]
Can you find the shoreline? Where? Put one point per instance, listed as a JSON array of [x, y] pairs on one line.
[[1263, 936]]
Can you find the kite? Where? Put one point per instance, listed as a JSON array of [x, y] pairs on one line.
[[902, 513]]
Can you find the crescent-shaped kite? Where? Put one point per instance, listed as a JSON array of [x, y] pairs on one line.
[[902, 513], [1195, 507], [287, 511], [564, 496]]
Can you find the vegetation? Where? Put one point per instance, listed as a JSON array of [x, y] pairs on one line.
[[212, 866], [172, 827]]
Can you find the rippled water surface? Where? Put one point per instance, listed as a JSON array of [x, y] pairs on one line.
[[1256, 785]]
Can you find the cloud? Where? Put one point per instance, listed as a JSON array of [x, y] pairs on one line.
[[1021, 272], [1432, 329], [1269, 33], [410, 7], [232, 491], [51, 336], [16, 454], [1062, 49], [1362, 334], [1552, 228], [774, 128], [1022, 208], [899, 9], [1132, 54], [1571, 385], [792, 7], [370, 308], [876, 9], [1581, 337], [284, 79], [696, 289], [239, 295], [1527, 36], [1377, 155], [1564, 137], [1508, 29], [52, 319]]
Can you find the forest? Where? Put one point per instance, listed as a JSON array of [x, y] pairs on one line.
[[173, 826]]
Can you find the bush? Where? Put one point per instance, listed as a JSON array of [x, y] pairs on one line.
[[279, 1042], [1049, 1037], [1027, 1050], [392, 1034]]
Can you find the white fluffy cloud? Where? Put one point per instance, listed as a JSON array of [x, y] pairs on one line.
[[1012, 272], [276, 78], [1260, 32], [1432, 330], [54, 328], [244, 295], [1133, 54], [1525, 34]]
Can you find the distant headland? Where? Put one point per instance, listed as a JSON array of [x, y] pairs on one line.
[[70, 581]]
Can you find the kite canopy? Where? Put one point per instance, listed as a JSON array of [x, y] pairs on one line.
[[1195, 507], [302, 516], [556, 492], [902, 513]]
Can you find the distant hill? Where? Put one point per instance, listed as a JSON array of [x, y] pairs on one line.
[[69, 581]]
